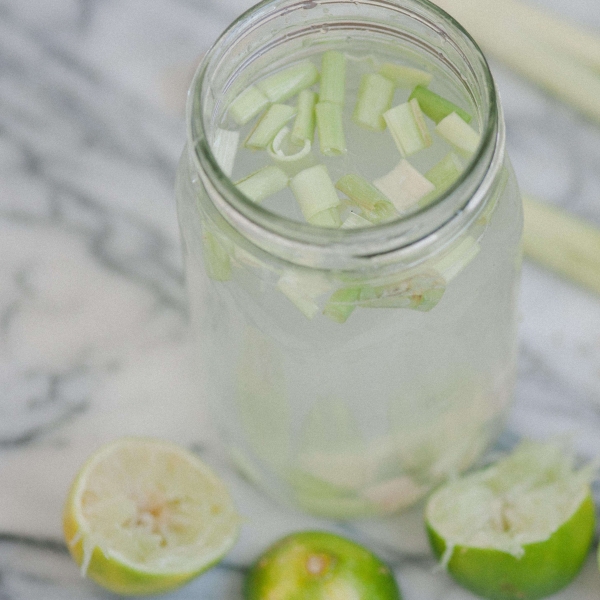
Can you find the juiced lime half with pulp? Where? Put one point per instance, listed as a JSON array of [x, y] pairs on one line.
[[518, 530], [145, 516]]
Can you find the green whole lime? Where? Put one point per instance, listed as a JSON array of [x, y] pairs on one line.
[[316, 565]]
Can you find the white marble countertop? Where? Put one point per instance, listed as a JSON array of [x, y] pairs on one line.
[[94, 340]]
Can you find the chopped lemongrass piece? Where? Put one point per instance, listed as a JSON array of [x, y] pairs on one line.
[[561, 242], [247, 105], [332, 87], [419, 292], [304, 289], [330, 125], [276, 149], [455, 261], [263, 183], [216, 258], [375, 206], [354, 221], [341, 304], [225, 149], [408, 128], [404, 186], [375, 97], [314, 191], [287, 83], [304, 124], [327, 218], [269, 126], [436, 107], [443, 175], [455, 131], [405, 77]]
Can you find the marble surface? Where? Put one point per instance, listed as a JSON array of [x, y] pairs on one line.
[[94, 340]]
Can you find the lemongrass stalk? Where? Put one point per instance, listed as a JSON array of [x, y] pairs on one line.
[[304, 290], [330, 125], [225, 147], [277, 148], [355, 221], [269, 126], [314, 191], [332, 87], [287, 83], [341, 304], [216, 258], [404, 186], [420, 292], [375, 206], [456, 132], [327, 218], [408, 128], [375, 97], [519, 46], [442, 175], [247, 105], [563, 243], [405, 77], [435, 106], [263, 183], [304, 124]]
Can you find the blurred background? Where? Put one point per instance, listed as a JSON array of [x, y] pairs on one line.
[[94, 340]]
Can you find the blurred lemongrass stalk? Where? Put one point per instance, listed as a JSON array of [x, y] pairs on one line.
[[564, 59]]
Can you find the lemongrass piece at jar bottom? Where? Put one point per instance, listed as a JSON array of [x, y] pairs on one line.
[[304, 124], [216, 258], [562, 242], [225, 147], [341, 304], [263, 183], [269, 126], [330, 125], [332, 87], [314, 191], [375, 206], [355, 221], [405, 77], [287, 83], [247, 105], [435, 106], [420, 292], [404, 186], [457, 259], [304, 289], [375, 96], [276, 149], [442, 175], [456, 132], [408, 128]]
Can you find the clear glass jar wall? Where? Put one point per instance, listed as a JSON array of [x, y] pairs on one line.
[[350, 371]]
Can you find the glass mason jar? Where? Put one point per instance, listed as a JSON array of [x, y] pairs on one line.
[[350, 371]]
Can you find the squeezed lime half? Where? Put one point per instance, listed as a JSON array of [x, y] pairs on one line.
[[518, 530]]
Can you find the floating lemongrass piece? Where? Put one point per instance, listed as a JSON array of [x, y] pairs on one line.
[[404, 77], [330, 125], [277, 153], [216, 257], [375, 97], [269, 126], [456, 132], [327, 218], [247, 105], [314, 191], [375, 206], [436, 107], [404, 185], [355, 221], [225, 148], [304, 289], [408, 128], [562, 242], [341, 304], [287, 83], [332, 87], [455, 261], [442, 175], [263, 183], [304, 124]]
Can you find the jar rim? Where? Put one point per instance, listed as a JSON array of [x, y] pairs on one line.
[[309, 244]]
